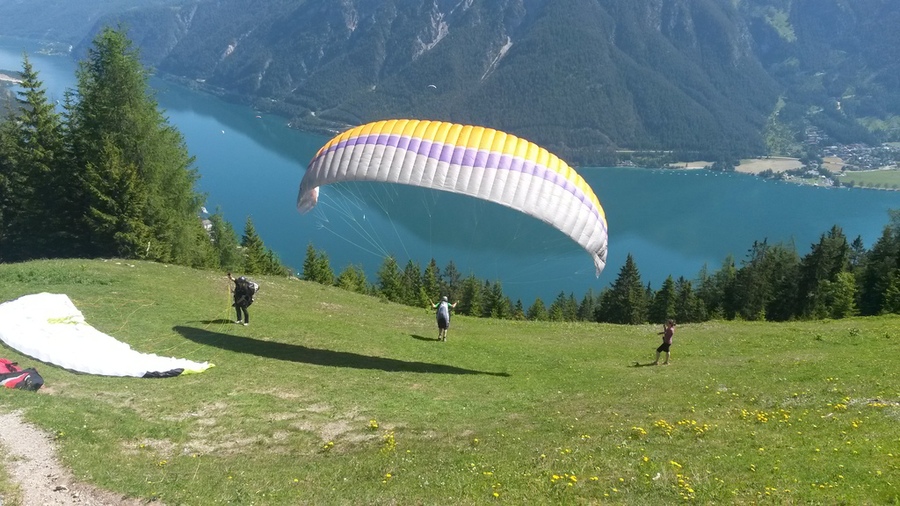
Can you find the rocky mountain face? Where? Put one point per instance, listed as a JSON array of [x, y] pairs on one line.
[[585, 78]]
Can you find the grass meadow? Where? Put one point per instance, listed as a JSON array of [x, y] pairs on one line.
[[885, 179], [330, 397]]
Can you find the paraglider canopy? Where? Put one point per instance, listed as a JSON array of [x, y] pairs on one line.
[[471, 160]]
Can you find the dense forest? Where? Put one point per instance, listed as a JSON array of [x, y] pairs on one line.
[[588, 79], [108, 177], [837, 278]]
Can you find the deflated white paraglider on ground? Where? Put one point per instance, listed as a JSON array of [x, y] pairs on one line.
[[49, 328]]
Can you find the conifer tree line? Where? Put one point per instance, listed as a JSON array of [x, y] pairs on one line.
[[835, 279], [108, 176]]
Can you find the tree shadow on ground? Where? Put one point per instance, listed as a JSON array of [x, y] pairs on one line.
[[315, 356]]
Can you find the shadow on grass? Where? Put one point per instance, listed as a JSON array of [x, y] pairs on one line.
[[638, 364], [423, 338], [216, 322], [315, 356]]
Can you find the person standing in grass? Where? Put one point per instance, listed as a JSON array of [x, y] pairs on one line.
[[443, 316], [243, 291], [667, 334]]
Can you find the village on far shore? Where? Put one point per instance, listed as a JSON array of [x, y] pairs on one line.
[[841, 165], [837, 165]]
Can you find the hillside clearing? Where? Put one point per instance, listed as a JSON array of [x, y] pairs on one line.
[[331, 397]]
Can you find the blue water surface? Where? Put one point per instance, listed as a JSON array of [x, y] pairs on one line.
[[673, 222]]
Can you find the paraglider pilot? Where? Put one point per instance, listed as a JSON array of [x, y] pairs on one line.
[[443, 316], [242, 299]]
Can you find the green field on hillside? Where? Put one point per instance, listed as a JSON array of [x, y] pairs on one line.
[[330, 397], [883, 179]]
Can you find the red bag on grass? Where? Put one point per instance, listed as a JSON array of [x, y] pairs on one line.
[[13, 376]]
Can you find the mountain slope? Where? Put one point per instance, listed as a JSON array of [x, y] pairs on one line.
[[580, 77], [583, 77]]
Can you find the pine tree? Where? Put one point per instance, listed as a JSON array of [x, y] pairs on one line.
[[225, 242], [495, 304], [353, 279], [116, 126], [784, 272], [274, 267], [316, 267], [389, 280], [487, 305], [411, 285], [431, 282], [892, 294], [840, 296], [877, 272], [310, 265], [564, 308], [688, 307], [32, 148], [117, 204], [857, 252], [716, 291], [471, 299], [587, 306], [518, 312], [557, 311], [538, 311], [663, 303], [325, 274], [827, 258], [765, 282], [255, 260], [451, 281], [626, 302], [10, 201]]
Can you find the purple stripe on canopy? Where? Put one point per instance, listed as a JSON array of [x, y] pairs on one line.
[[467, 156]]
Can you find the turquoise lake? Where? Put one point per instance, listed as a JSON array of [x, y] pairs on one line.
[[672, 222]]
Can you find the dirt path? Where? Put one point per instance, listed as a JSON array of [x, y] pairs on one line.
[[32, 463]]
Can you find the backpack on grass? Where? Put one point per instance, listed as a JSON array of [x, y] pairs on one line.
[[13, 376]]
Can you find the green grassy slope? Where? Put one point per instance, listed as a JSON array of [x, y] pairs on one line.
[[886, 179], [330, 397]]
